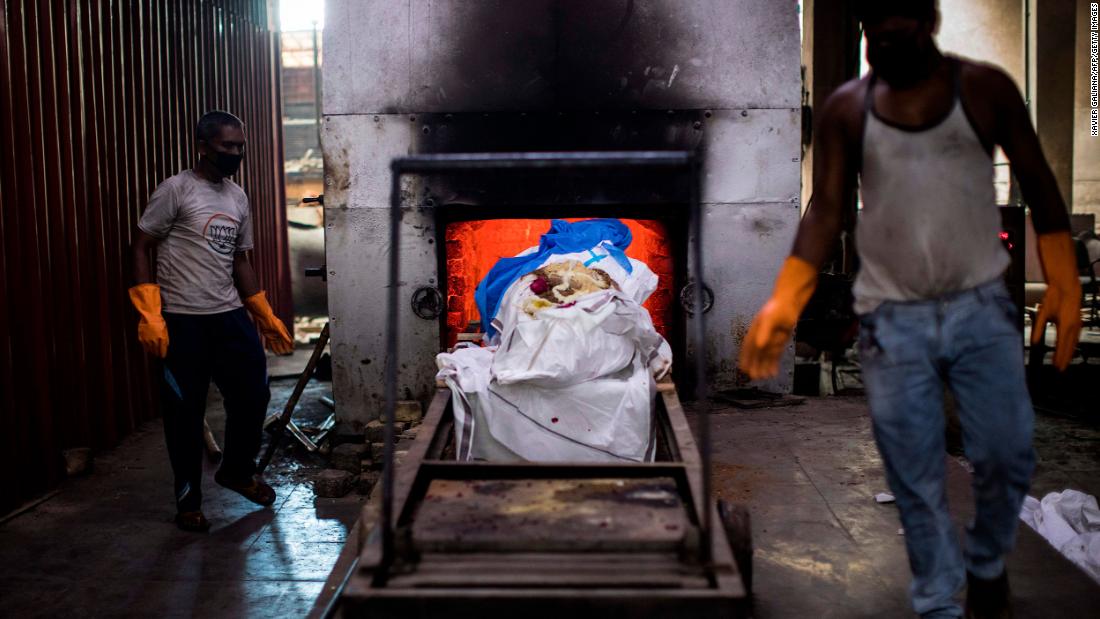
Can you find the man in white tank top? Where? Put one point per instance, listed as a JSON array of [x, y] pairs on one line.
[[919, 134]]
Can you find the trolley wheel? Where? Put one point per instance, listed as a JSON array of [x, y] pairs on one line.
[[738, 527]]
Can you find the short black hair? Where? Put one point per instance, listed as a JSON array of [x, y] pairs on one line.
[[875, 10], [211, 124]]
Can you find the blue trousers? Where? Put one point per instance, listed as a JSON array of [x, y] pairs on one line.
[[969, 342], [226, 348]]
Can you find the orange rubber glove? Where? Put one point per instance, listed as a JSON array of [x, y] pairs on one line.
[[772, 327], [275, 334], [1062, 301], [152, 330]]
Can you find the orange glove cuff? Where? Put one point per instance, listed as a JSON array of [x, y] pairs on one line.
[[146, 299], [276, 336], [795, 284], [258, 306], [763, 345], [1059, 260], [152, 330]]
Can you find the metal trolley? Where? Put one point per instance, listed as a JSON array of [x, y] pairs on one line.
[[460, 539]]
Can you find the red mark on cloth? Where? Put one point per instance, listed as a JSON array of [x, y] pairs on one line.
[[553, 420]]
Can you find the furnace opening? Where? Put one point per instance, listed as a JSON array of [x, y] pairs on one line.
[[473, 247]]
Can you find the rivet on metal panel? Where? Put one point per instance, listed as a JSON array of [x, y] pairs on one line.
[[708, 114], [697, 125], [412, 119], [332, 272], [426, 129], [744, 112], [376, 119]]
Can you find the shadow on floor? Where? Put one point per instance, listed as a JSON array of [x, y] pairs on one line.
[[106, 544]]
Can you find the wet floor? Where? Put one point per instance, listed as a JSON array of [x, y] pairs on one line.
[[105, 545]]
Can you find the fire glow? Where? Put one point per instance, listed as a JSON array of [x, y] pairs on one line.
[[473, 247]]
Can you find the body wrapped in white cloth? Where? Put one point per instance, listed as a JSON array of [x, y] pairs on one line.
[[570, 372]]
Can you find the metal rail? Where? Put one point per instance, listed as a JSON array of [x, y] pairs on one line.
[[681, 161], [414, 164]]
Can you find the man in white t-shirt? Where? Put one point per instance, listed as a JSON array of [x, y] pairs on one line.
[[196, 316]]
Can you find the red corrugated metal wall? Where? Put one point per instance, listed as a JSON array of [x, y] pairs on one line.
[[98, 101]]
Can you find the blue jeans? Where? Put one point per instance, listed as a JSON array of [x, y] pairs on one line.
[[969, 342]]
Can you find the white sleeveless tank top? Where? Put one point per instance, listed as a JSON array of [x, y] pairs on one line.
[[929, 225]]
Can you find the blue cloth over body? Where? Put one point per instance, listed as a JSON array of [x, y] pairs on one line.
[[563, 237]]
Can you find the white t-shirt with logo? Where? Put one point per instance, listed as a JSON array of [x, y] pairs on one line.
[[201, 225]]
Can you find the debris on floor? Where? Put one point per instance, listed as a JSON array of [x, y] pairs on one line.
[[307, 328], [78, 461], [333, 483], [356, 449], [1070, 521], [884, 497], [757, 398]]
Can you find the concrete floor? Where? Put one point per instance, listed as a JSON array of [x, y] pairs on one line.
[[825, 548], [105, 544]]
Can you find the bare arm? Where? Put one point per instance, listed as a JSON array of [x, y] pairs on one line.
[[835, 171], [1017, 137], [244, 276], [140, 249]]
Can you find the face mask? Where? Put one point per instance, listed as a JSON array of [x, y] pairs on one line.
[[903, 62], [226, 163]]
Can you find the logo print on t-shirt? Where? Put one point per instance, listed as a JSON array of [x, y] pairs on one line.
[[221, 233]]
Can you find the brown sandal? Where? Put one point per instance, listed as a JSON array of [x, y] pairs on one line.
[[254, 489], [194, 522]]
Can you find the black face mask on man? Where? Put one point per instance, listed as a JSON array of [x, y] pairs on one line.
[[903, 60], [226, 163]]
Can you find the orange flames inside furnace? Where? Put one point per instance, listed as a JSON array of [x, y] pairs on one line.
[[473, 247]]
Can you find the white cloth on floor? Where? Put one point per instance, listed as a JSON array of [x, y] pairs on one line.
[[568, 384], [1070, 521]]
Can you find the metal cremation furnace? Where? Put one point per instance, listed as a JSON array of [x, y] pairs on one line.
[[478, 539], [719, 78]]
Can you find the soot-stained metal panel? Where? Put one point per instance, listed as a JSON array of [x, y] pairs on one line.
[[678, 54], [416, 56], [750, 155], [745, 244], [357, 281]]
